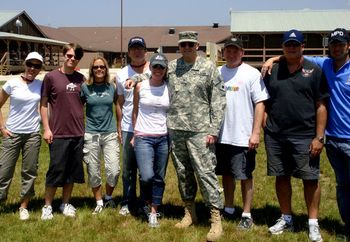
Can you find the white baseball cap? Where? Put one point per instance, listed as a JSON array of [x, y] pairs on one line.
[[34, 56]]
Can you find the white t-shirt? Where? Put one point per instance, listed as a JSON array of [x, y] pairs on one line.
[[128, 94], [24, 115], [244, 88], [153, 107]]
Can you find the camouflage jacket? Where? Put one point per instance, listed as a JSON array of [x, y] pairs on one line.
[[197, 96]]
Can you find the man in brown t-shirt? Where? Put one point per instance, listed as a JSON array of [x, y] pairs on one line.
[[63, 127]]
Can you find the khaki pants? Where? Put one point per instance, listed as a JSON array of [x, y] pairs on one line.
[[29, 144]]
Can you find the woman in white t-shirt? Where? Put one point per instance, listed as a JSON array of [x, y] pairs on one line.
[[151, 103], [21, 130]]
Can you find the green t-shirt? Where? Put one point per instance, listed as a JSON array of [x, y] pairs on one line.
[[99, 101]]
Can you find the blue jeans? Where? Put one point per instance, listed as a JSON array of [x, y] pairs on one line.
[[129, 170], [152, 159], [338, 152]]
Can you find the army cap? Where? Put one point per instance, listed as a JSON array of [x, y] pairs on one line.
[[188, 36]]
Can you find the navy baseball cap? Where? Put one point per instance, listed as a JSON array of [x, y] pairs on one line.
[[293, 35], [137, 41], [340, 35]]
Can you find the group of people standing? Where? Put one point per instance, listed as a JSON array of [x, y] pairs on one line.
[[209, 119]]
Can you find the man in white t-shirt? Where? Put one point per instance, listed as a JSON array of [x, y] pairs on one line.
[[240, 132], [138, 65]]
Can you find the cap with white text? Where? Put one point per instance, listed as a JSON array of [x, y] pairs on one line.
[[340, 35]]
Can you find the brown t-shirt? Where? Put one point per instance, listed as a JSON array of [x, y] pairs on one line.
[[66, 115]]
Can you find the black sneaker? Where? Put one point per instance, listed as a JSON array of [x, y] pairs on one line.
[[144, 211], [109, 204], [227, 216], [245, 223]]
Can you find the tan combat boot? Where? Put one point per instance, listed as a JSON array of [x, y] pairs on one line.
[[190, 216], [215, 231]]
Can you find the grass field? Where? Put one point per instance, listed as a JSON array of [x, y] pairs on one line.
[[110, 226]]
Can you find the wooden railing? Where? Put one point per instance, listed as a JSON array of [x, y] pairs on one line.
[[4, 64], [256, 57]]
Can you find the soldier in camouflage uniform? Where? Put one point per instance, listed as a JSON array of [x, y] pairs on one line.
[[197, 104]]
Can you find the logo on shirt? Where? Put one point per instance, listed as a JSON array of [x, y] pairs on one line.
[[71, 87], [100, 94], [306, 72], [232, 88]]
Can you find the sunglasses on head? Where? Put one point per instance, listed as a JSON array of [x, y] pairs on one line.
[[292, 44], [35, 66], [157, 66], [97, 67], [70, 56], [189, 44]]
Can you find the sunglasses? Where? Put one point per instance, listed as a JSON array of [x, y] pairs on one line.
[[292, 44], [189, 44], [97, 67], [157, 66], [35, 66], [70, 56]]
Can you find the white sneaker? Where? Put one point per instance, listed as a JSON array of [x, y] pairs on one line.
[[124, 210], [23, 214], [98, 209], [314, 233], [281, 226], [46, 213], [68, 210], [152, 220]]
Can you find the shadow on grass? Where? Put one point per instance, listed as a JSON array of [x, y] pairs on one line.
[[269, 214], [264, 216]]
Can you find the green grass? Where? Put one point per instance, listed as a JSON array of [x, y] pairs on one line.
[[110, 226]]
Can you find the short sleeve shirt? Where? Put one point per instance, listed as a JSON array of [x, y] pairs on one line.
[[128, 94], [66, 115], [99, 101], [244, 88], [24, 105], [291, 108]]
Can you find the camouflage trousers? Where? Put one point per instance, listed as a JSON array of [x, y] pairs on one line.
[[192, 159]]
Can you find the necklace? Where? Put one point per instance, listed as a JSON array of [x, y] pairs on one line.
[[27, 80], [137, 66]]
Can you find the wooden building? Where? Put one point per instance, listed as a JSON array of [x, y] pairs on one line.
[[262, 31], [19, 35]]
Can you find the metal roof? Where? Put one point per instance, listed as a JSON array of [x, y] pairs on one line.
[[5, 35], [7, 16], [283, 20]]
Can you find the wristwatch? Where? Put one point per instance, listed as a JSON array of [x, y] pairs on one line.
[[321, 139]]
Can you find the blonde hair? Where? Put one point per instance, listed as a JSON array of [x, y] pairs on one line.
[[91, 78]]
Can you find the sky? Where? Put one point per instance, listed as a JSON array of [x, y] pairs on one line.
[[94, 13]]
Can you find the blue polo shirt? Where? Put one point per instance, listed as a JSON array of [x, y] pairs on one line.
[[338, 124]]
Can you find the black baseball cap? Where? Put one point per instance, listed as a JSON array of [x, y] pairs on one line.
[[339, 34], [234, 42]]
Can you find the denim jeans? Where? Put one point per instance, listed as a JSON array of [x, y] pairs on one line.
[[338, 152], [29, 144], [152, 159], [129, 169]]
